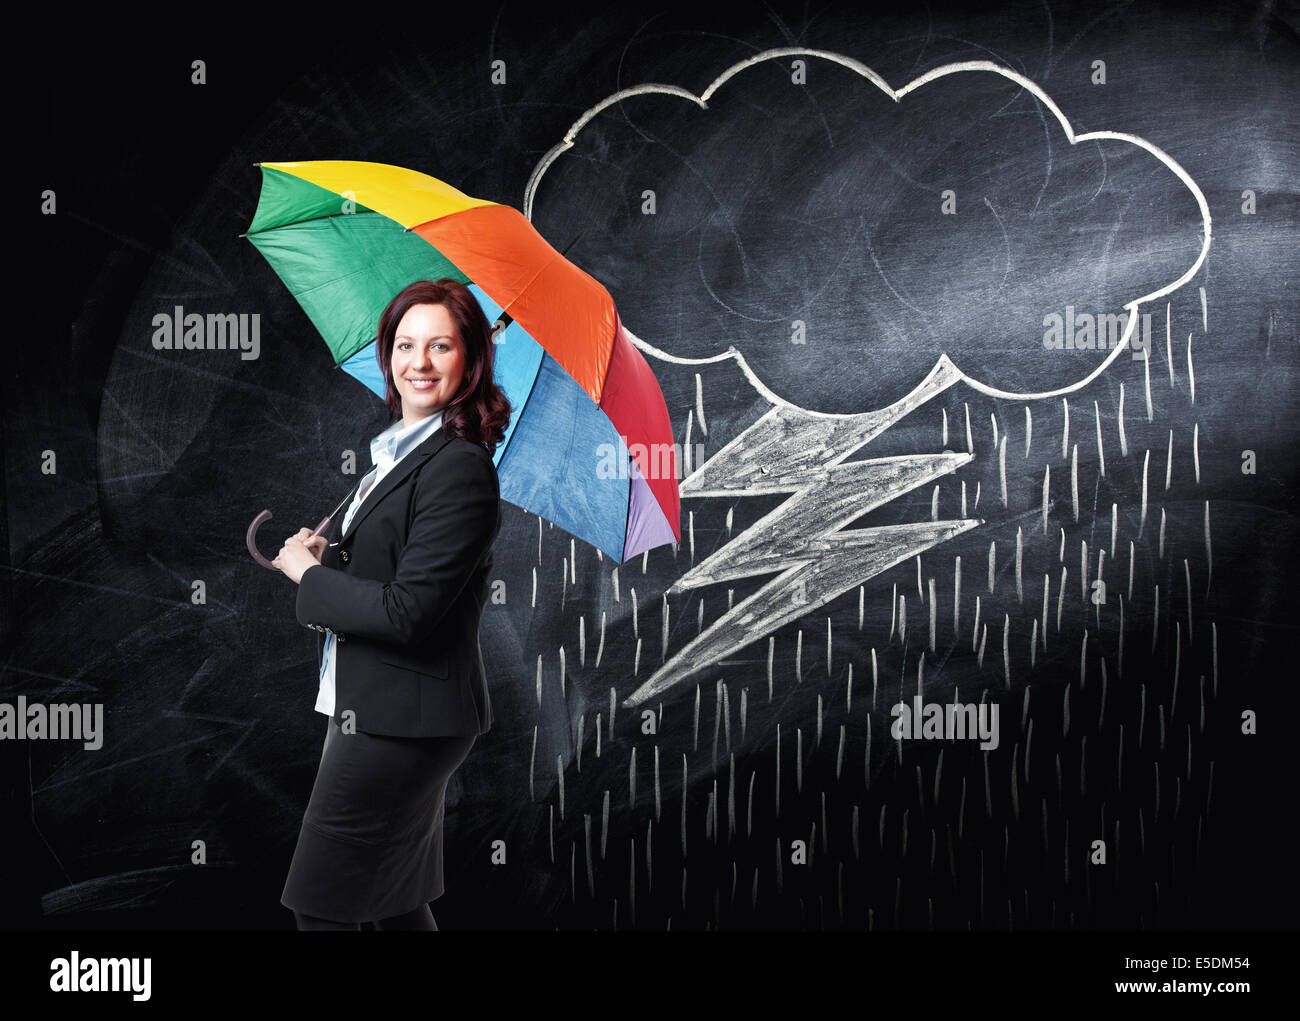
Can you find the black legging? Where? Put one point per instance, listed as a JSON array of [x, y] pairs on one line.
[[418, 920]]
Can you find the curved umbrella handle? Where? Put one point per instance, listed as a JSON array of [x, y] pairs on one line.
[[250, 539]]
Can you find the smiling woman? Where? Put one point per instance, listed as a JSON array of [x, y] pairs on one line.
[[428, 361], [435, 349], [398, 599]]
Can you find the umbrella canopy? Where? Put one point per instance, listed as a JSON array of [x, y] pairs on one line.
[[589, 443]]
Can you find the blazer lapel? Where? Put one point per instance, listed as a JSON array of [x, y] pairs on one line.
[[394, 478]]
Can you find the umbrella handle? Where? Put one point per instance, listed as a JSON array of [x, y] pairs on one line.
[[250, 539]]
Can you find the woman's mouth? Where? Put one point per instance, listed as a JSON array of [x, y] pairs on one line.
[[421, 383]]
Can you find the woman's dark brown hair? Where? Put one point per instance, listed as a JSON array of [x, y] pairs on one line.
[[480, 410]]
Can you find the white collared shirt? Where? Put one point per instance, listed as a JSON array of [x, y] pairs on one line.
[[386, 450]]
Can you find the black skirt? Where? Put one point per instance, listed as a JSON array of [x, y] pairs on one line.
[[370, 845]]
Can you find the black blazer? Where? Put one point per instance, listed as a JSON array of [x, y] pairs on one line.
[[403, 591]]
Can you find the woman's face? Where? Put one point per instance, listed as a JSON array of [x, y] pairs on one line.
[[428, 361]]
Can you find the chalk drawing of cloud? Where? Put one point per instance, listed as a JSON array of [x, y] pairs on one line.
[[883, 233]]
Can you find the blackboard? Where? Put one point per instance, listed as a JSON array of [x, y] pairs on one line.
[[879, 264]]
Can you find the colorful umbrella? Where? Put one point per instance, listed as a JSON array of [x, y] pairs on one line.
[[589, 443]]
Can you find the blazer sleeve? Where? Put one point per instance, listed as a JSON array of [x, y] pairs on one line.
[[453, 522]]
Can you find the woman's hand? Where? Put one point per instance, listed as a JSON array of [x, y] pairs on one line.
[[298, 553]]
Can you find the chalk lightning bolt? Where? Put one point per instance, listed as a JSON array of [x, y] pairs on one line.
[[789, 450]]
